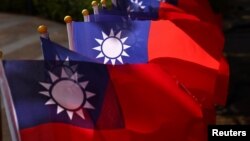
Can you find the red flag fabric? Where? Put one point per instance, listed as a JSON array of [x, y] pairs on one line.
[[148, 96], [166, 39], [201, 9], [206, 35], [200, 81], [222, 82], [201, 32]]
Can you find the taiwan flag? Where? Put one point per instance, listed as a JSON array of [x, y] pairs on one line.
[[95, 102], [140, 9], [207, 35], [200, 31], [151, 9], [54, 100], [160, 42], [137, 42]]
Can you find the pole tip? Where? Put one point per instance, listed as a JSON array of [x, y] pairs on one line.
[[94, 3], [42, 29], [85, 12], [67, 19], [103, 1]]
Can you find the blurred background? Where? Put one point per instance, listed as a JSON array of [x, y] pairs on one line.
[[20, 18], [49, 9]]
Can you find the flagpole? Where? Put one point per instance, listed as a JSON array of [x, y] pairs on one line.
[[1, 104], [8, 104], [95, 7], [43, 30], [68, 21], [85, 14], [103, 2]]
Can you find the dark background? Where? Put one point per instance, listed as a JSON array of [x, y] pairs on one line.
[[236, 19]]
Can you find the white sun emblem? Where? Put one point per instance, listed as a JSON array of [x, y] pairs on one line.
[[68, 94], [135, 5], [112, 47]]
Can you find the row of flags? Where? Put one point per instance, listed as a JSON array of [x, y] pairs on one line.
[[144, 70]]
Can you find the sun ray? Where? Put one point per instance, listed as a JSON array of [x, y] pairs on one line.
[[124, 39], [118, 35], [113, 61], [53, 77], [99, 41], [74, 76], [106, 60], [45, 85], [143, 7], [66, 61], [80, 113], [98, 48], [64, 74], [46, 93], [84, 84], [69, 71], [120, 59], [112, 47], [126, 46], [111, 33], [88, 105], [70, 114], [67, 58], [137, 4], [100, 55], [104, 35], [50, 102], [125, 54], [59, 109], [89, 94], [62, 83]]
